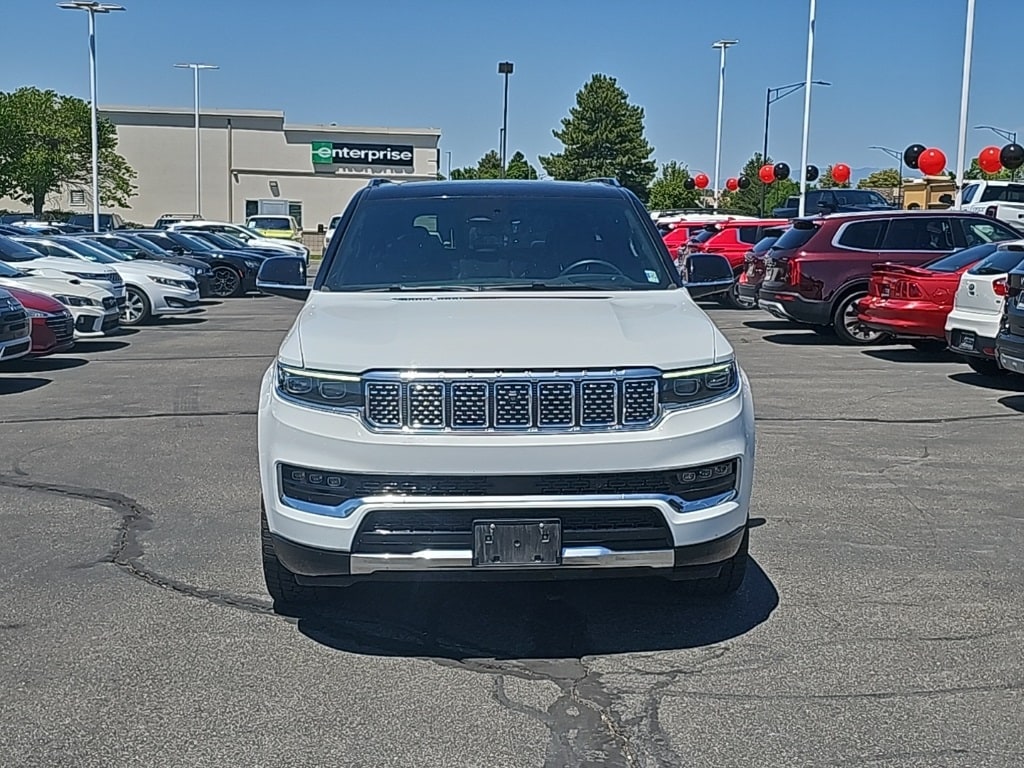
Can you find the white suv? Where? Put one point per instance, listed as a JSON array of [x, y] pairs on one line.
[[502, 380]]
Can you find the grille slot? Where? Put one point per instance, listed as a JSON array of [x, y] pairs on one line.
[[63, 328], [557, 402]]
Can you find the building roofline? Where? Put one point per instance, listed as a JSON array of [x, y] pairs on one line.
[[272, 114]]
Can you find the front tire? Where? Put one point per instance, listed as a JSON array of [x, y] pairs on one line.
[[733, 300], [137, 309], [287, 594], [226, 283], [848, 327]]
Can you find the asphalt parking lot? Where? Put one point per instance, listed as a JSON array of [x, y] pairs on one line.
[[880, 625]]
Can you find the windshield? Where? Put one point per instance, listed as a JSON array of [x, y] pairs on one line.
[[704, 235], [492, 241], [795, 237], [270, 222], [90, 251], [8, 271], [220, 240], [957, 260], [148, 245], [764, 244], [998, 263], [190, 242], [334, 222], [12, 250]]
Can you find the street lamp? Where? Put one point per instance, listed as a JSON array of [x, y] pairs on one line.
[[965, 92], [722, 46], [195, 79], [504, 68], [773, 95], [896, 155], [807, 108], [93, 7], [449, 153]]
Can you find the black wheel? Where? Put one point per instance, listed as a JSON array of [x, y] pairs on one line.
[[733, 300], [286, 592], [137, 308], [225, 283], [729, 579], [986, 366], [849, 328]]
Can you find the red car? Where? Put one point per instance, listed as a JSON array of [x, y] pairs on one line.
[[53, 328], [683, 232], [736, 240], [913, 302]]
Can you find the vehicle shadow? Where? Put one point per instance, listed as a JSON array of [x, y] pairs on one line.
[[99, 345], [1006, 383], [770, 325], [911, 355], [44, 364], [534, 620], [20, 385], [1013, 402], [210, 302], [801, 339], [171, 321]]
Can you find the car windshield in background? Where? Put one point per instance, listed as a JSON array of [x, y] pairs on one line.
[[493, 242], [795, 237], [704, 235], [146, 245], [270, 223], [91, 251], [998, 263], [334, 222], [218, 239], [765, 243], [957, 260], [191, 242], [8, 271], [12, 250]]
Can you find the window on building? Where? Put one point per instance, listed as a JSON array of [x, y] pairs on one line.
[[77, 198], [252, 208], [295, 211]]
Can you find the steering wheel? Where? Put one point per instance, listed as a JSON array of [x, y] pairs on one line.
[[584, 262]]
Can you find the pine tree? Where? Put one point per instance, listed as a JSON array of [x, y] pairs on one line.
[[603, 136], [668, 191], [519, 168]]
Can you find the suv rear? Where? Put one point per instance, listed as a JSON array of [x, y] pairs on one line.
[[820, 268], [734, 240]]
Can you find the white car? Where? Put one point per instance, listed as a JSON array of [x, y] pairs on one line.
[[152, 289], [583, 417], [93, 308], [973, 323], [15, 329], [17, 254], [246, 235], [335, 220]]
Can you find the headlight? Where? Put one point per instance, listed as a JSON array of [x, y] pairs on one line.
[[168, 281], [76, 301], [693, 386], [37, 313], [251, 263], [320, 388]]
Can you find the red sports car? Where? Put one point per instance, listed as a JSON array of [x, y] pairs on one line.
[[53, 329], [913, 302]]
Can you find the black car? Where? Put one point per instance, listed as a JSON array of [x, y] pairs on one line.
[[134, 248], [228, 242], [234, 271], [824, 201], [1010, 341]]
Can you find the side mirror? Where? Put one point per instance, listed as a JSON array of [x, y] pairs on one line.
[[283, 276], [946, 199], [705, 274]]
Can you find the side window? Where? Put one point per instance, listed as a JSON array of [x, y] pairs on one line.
[[919, 233], [863, 235], [747, 235], [979, 232]]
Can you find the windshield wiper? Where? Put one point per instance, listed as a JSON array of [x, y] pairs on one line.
[[399, 288]]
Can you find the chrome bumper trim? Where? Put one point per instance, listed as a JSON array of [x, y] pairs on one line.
[[452, 560], [773, 308]]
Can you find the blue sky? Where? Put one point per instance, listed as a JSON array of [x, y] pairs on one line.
[[895, 66]]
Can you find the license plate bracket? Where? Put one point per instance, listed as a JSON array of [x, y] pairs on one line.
[[517, 543]]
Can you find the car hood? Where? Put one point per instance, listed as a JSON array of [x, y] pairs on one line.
[[140, 269], [360, 332], [57, 286]]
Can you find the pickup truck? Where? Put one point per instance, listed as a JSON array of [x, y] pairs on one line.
[[841, 200], [1003, 200]]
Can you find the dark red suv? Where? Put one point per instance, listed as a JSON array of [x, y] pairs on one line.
[[820, 268]]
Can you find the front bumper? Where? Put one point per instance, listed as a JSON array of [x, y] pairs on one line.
[[793, 306], [327, 542], [52, 334], [92, 322], [166, 300], [1010, 352]]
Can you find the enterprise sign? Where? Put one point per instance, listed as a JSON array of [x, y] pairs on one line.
[[332, 153]]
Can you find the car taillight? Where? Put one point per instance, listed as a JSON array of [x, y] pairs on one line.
[[794, 271], [999, 286], [991, 211], [905, 289]]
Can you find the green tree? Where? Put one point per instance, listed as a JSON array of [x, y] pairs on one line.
[[887, 178], [45, 144], [827, 182], [748, 201], [520, 168], [668, 191], [975, 172], [603, 136]]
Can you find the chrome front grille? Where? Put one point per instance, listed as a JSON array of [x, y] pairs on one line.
[[513, 401]]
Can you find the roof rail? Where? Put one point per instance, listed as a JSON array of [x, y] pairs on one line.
[[378, 181], [611, 182]]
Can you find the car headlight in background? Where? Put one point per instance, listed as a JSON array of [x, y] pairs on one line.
[[170, 282], [251, 263], [337, 391], [76, 301], [39, 313], [694, 386]]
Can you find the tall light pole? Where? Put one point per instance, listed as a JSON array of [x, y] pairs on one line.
[[504, 68], [773, 95], [965, 93], [807, 108], [722, 46], [896, 155], [92, 7], [1010, 136], [195, 87], [449, 153]]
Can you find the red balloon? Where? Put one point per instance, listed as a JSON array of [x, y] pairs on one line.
[[732, 184], [841, 173], [989, 160], [701, 180], [767, 174], [931, 162]]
